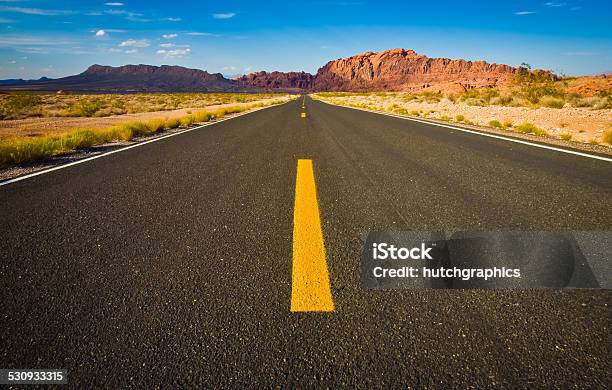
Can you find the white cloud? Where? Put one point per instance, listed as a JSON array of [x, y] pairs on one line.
[[554, 4], [521, 13], [232, 68], [3, 20], [169, 36], [100, 33], [114, 4], [31, 40], [131, 51], [177, 53], [166, 45], [226, 15], [171, 19], [36, 11], [201, 34], [12, 62], [135, 43]]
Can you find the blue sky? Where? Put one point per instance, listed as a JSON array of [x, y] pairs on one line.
[[63, 37]]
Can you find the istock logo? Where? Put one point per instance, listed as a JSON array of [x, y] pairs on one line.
[[384, 251]]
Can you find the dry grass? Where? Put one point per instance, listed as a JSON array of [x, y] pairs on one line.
[[28, 105], [18, 150], [607, 137]]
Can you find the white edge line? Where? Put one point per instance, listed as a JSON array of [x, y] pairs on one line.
[[518, 141], [44, 171]]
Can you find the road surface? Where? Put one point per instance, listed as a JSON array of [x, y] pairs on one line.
[[170, 263]]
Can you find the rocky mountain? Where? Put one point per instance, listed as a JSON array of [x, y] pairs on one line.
[[391, 70], [278, 80], [405, 70], [139, 78]]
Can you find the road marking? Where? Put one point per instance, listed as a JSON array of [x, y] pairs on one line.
[[310, 286], [518, 141], [44, 171]]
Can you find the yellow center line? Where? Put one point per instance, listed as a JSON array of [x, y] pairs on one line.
[[310, 286]]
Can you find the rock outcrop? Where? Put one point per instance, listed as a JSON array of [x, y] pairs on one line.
[[405, 70], [278, 80]]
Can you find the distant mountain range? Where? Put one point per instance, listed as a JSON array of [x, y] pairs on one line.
[[391, 70], [21, 81]]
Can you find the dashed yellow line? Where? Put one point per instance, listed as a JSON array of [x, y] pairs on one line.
[[310, 286]]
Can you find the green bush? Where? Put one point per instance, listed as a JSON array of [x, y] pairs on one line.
[[496, 123], [529, 128], [86, 108], [552, 102], [12, 105]]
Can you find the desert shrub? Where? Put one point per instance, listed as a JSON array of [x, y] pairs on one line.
[[21, 150], [445, 118], [172, 123], [607, 137], [155, 125], [460, 118], [17, 105], [475, 102], [530, 128], [81, 139], [496, 123], [508, 124], [203, 116], [85, 107], [565, 136], [187, 120], [552, 102], [415, 113], [502, 100], [431, 96], [535, 85], [479, 96]]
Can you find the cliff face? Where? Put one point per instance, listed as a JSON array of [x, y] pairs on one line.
[[277, 80], [405, 70], [391, 70]]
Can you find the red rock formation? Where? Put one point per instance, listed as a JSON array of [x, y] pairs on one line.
[[405, 70], [277, 80]]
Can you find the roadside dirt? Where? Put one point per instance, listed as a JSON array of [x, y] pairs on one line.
[[33, 127], [583, 124]]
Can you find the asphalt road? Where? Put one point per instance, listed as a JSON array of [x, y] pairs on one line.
[[170, 263]]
